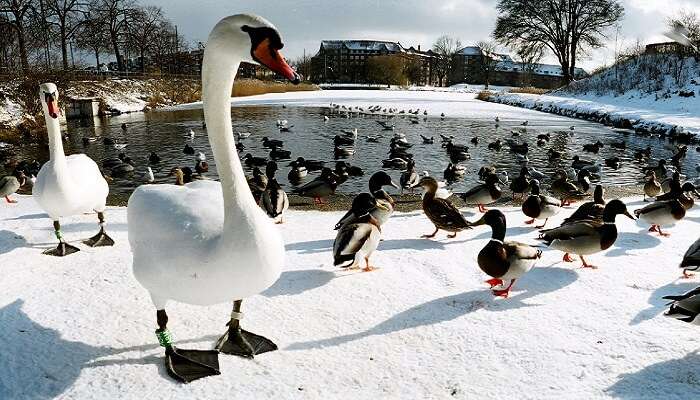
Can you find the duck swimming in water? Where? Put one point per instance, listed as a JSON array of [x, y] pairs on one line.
[[504, 261]]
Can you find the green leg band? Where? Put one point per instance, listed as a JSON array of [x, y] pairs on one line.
[[164, 338]]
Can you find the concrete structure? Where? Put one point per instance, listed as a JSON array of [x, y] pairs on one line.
[[79, 108]]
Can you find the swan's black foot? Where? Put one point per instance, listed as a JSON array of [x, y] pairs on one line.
[[189, 365], [101, 239], [63, 249], [243, 343]]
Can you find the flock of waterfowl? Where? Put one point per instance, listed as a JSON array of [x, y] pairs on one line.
[[231, 249]]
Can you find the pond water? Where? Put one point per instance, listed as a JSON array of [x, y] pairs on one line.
[[166, 133]]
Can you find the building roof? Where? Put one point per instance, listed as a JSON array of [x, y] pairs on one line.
[[539, 69], [370, 45]]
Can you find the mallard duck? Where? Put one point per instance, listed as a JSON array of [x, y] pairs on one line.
[[453, 172], [350, 170], [10, 184], [641, 154], [474, 141], [251, 161], [590, 211], [257, 183], [409, 178], [154, 158], [613, 162], [427, 140], [583, 180], [497, 145], [279, 154], [577, 163], [321, 187], [691, 259], [483, 194], [297, 173], [189, 150], [376, 184], [343, 141], [565, 190], [661, 170], [504, 261], [359, 239], [396, 162], [652, 187], [538, 206], [311, 165], [685, 307], [593, 147], [521, 184], [275, 201], [673, 188], [659, 213], [441, 212], [553, 155], [340, 152], [585, 238]]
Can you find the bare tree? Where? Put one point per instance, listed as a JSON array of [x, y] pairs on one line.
[[529, 57], [445, 48], [20, 10], [142, 30], [93, 36], [489, 60], [115, 14], [566, 27], [67, 16], [691, 22]]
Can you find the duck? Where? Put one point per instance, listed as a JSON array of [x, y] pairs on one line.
[[275, 201], [661, 170], [474, 141], [618, 145], [593, 147], [409, 178], [658, 213], [428, 140], [343, 141], [201, 167], [377, 182], [497, 145], [395, 162], [357, 240], [351, 170], [652, 187], [565, 190], [271, 143], [691, 260], [123, 169], [10, 184], [321, 187], [230, 249], [257, 184], [685, 307], [642, 154], [297, 173], [504, 261], [71, 185], [538, 206], [279, 154], [441, 212], [342, 152], [311, 165], [108, 141], [553, 155], [584, 237], [521, 184], [189, 150], [613, 162], [590, 210], [442, 191], [535, 174], [112, 162], [577, 163], [153, 158], [583, 180], [483, 194], [251, 161], [453, 172], [372, 139]]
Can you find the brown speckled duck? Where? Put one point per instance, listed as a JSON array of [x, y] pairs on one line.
[[443, 214], [504, 261]]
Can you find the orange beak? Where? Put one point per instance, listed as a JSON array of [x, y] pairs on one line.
[[52, 105], [272, 59]]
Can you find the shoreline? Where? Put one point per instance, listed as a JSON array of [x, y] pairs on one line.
[[406, 202]]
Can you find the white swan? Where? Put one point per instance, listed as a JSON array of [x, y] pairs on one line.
[[70, 185], [230, 249]]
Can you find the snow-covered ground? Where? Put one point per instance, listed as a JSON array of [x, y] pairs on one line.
[[455, 104], [422, 326]]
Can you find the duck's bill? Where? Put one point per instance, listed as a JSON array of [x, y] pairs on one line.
[[272, 59], [382, 207], [630, 215]]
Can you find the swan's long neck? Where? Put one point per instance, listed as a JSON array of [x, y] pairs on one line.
[[56, 153], [219, 68]]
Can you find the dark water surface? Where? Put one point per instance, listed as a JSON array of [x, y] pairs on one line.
[[166, 133]]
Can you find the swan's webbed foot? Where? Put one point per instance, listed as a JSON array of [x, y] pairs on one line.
[[189, 365], [101, 239], [239, 342], [63, 249]]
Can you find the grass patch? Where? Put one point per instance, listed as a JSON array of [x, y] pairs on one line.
[[529, 90], [252, 87]]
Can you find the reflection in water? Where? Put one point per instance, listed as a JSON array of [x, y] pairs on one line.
[[166, 133]]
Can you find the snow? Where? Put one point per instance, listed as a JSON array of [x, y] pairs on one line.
[[422, 326], [459, 102]]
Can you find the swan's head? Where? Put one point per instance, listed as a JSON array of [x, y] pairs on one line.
[[261, 40], [48, 93]]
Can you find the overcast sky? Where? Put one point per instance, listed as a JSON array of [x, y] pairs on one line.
[[304, 23]]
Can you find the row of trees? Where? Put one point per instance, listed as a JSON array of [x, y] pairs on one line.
[[33, 31]]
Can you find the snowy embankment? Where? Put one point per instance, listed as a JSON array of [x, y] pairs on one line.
[[657, 93], [454, 104], [422, 326]]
